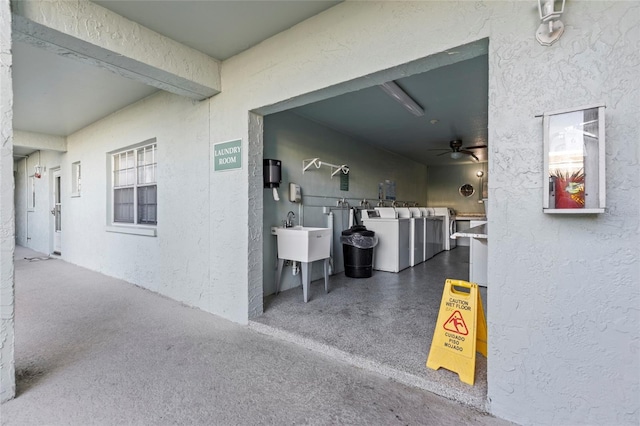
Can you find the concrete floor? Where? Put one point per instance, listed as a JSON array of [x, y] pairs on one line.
[[95, 350], [383, 324]]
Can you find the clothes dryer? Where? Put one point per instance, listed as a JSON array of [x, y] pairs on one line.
[[449, 226]]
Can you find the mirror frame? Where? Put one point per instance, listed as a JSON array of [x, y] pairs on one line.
[[467, 190]]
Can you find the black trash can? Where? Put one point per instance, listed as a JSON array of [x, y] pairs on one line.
[[357, 249]]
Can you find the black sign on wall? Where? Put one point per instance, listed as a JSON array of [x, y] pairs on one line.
[[344, 182]]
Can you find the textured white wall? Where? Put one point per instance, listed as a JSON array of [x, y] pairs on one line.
[[564, 289], [563, 312], [7, 339], [175, 262], [291, 138]]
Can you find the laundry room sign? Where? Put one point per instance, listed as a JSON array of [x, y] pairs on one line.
[[227, 155]]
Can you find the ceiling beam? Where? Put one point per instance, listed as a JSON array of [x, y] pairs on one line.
[[39, 141], [84, 31]]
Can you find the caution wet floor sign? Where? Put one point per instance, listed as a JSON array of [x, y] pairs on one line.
[[461, 330]]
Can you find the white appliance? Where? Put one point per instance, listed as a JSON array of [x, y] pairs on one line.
[[478, 257], [417, 236], [449, 226], [427, 212], [392, 252], [434, 230]]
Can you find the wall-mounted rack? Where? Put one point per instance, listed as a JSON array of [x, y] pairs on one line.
[[335, 169]]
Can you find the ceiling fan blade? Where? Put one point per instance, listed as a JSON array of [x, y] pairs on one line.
[[444, 153], [475, 147], [438, 149], [464, 151]]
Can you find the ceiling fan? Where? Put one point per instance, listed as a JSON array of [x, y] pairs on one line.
[[457, 150]]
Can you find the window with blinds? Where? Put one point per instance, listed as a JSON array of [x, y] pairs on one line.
[[135, 186]]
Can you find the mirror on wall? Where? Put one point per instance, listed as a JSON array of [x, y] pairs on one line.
[[466, 190]]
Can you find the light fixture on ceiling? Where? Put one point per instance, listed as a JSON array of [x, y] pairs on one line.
[[456, 155], [393, 90], [551, 28]]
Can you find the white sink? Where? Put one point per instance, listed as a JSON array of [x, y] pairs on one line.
[[303, 244]]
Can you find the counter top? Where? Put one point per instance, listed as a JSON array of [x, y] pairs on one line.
[[479, 232], [477, 216]]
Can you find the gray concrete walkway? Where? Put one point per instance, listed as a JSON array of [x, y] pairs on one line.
[[95, 350]]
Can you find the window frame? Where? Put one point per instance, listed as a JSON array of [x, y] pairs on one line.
[[134, 227], [76, 179]]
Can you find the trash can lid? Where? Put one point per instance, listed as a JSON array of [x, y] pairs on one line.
[[359, 230]]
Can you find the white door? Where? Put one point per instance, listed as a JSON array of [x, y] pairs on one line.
[[56, 211]]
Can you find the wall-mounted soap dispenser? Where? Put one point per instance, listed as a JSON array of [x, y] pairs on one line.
[[295, 193], [272, 175]]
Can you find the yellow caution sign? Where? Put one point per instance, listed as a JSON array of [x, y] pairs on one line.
[[461, 331]]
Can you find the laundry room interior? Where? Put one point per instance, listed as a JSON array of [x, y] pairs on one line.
[[413, 158]]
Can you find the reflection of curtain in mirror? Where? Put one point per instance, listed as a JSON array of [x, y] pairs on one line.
[[591, 149]]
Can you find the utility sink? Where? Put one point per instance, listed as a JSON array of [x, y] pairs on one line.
[[303, 244]]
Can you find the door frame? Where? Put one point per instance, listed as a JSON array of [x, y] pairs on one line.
[[55, 174]]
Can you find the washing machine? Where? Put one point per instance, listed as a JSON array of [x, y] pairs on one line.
[[427, 252], [433, 232], [392, 253], [417, 236], [435, 235]]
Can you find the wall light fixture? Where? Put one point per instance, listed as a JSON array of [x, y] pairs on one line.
[[551, 28]]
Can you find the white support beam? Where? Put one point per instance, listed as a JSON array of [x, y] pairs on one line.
[[39, 141], [7, 222], [90, 33]]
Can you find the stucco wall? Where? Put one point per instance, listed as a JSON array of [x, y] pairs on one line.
[[7, 340], [563, 313], [175, 262], [564, 342], [291, 138]]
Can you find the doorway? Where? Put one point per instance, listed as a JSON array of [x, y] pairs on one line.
[[56, 212], [384, 323]]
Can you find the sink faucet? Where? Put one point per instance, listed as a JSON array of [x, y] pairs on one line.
[[289, 222]]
